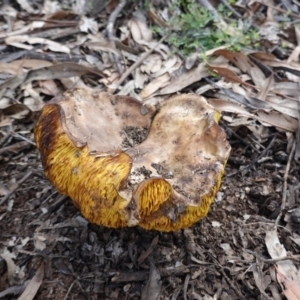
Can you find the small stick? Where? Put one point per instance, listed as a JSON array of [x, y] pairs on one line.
[[230, 282], [113, 89], [295, 258], [209, 7], [23, 138], [144, 275], [69, 290], [285, 177], [279, 9], [17, 147], [109, 30], [25, 177], [144, 255], [255, 160], [242, 140], [5, 138], [238, 15], [185, 286]]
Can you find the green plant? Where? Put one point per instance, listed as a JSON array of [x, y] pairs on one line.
[[195, 29]]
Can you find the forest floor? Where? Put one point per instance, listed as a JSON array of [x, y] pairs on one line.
[[248, 245]]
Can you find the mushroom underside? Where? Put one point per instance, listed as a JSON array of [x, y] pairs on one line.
[[125, 164]]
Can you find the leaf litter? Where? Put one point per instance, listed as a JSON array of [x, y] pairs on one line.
[[239, 251]]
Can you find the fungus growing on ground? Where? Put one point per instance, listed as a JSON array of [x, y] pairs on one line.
[[124, 164]]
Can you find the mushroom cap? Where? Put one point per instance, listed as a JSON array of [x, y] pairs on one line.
[[125, 164]]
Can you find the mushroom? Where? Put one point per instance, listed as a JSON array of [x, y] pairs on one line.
[[126, 164]]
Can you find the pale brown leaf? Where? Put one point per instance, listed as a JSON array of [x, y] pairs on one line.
[[34, 284], [278, 120], [20, 40], [185, 79], [155, 85], [290, 288]]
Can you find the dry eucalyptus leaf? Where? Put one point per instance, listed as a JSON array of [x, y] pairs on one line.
[[244, 63], [19, 40], [185, 79], [277, 250], [153, 287], [34, 284], [290, 288], [154, 85], [140, 31]]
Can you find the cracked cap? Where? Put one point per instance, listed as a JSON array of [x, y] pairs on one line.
[[125, 164]]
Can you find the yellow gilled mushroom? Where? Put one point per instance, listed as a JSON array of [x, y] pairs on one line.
[[124, 164]]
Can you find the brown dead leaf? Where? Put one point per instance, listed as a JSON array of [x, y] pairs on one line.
[[228, 74]]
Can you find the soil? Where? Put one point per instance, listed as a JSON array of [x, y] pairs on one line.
[[221, 256]]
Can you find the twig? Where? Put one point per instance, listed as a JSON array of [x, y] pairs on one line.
[[242, 140], [279, 9], [23, 138], [134, 66], [144, 275], [231, 284], [145, 254], [285, 177], [295, 258], [185, 286], [209, 7], [69, 290], [23, 179], [297, 134], [109, 30], [3, 266], [238, 15], [17, 147], [5, 139], [255, 160]]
